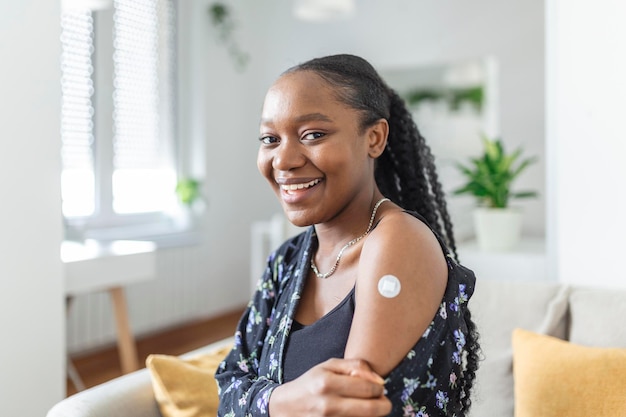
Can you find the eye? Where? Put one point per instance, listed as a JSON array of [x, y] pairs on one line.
[[268, 140], [313, 136]]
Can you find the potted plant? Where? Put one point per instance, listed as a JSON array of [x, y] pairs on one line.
[[489, 180], [190, 205], [188, 190]]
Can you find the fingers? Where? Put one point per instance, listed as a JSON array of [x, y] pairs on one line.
[[349, 378], [368, 375], [349, 387], [337, 387], [354, 367]]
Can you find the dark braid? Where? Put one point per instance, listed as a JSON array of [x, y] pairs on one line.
[[472, 347], [415, 171], [405, 172]]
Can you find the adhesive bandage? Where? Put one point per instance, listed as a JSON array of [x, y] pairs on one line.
[[389, 286]]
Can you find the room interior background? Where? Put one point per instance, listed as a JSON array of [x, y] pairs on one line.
[[219, 112], [545, 91]]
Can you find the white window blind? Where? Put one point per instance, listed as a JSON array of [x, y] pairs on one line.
[[137, 153], [77, 112]]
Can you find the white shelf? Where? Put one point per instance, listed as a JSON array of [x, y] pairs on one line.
[[527, 261]]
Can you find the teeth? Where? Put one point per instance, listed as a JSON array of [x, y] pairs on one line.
[[293, 187]]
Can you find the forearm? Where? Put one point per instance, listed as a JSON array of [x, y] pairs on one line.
[[244, 394]]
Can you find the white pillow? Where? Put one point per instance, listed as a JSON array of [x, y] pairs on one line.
[[498, 307], [596, 317]]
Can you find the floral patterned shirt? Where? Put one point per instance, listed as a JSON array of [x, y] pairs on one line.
[[424, 384]]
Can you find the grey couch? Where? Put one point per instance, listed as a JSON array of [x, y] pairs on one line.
[[585, 316]]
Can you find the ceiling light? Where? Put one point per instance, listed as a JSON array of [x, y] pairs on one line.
[[323, 10]]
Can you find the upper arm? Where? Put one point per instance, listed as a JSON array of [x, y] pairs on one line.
[[385, 329]]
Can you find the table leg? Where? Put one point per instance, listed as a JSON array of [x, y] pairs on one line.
[[125, 339], [72, 372]]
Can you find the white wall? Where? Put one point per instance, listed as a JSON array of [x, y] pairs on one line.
[[32, 355], [586, 86], [221, 114]]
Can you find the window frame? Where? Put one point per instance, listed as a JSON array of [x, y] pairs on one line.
[[172, 227]]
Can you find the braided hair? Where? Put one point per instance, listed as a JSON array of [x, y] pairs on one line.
[[405, 172]]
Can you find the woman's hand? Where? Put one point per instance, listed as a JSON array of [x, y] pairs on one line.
[[337, 387]]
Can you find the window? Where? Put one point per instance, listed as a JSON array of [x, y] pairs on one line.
[[119, 114]]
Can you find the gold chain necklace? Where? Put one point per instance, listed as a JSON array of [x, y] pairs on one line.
[[347, 245]]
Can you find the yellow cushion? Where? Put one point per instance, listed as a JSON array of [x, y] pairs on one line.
[[186, 387], [555, 378]]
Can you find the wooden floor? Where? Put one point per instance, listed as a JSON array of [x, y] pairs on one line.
[[100, 366]]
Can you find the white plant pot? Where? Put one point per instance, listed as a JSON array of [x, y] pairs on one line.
[[497, 229]]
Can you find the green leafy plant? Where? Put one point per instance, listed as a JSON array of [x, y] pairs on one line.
[[188, 190], [453, 97], [489, 177], [417, 96], [472, 95]]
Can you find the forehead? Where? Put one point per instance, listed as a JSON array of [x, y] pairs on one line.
[[300, 92]]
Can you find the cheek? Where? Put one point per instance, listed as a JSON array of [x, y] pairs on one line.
[[346, 161]]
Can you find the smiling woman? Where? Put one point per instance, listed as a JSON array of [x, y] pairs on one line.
[[342, 154]]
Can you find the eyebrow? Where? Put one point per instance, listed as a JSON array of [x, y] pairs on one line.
[[313, 117], [310, 117]]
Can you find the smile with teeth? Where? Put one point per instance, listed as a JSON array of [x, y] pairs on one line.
[[293, 187]]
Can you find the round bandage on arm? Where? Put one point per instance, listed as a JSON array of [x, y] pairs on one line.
[[389, 286]]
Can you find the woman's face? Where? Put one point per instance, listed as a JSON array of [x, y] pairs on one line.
[[312, 151]]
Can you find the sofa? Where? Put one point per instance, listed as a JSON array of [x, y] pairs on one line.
[[561, 316]]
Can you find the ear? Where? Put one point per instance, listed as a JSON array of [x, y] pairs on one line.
[[377, 138]]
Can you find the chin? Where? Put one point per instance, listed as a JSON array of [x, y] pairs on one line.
[[297, 219]]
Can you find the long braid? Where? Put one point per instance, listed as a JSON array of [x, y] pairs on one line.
[[409, 159], [472, 347]]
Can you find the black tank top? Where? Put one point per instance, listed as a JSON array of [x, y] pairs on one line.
[[310, 345]]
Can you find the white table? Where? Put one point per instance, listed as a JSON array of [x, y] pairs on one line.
[[92, 266]]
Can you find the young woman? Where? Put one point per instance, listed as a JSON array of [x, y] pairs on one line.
[[365, 313]]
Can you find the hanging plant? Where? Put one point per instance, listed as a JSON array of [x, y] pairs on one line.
[[223, 21]]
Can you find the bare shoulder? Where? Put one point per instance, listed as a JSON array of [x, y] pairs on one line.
[[403, 243]]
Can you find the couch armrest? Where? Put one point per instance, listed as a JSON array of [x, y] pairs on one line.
[[130, 395]]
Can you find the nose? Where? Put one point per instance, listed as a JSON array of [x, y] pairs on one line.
[[288, 155]]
